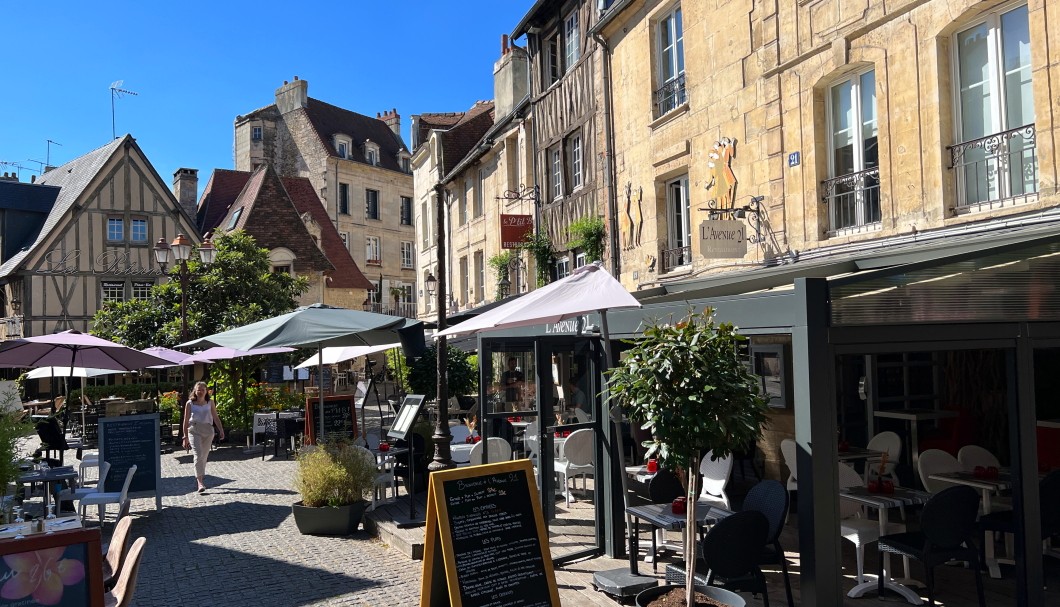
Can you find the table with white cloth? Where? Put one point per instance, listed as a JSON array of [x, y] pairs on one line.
[[261, 420], [883, 502]]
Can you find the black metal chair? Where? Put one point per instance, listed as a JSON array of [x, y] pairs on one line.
[[52, 438], [771, 499], [731, 551], [279, 430], [947, 531], [1048, 507]]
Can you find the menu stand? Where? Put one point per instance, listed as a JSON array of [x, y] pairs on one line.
[[407, 414]]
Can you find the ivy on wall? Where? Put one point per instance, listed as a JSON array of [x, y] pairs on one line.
[[588, 234]]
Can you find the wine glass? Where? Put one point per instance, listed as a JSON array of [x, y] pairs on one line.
[[51, 511], [19, 520]]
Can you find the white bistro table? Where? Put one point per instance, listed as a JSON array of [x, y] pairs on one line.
[[914, 417], [883, 502]]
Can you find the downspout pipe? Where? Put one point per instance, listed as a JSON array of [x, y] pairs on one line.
[[609, 164]]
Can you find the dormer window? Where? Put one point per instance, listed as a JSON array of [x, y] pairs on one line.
[[342, 146], [404, 162], [371, 152]]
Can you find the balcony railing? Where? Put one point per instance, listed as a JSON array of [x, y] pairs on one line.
[[670, 95], [853, 201], [997, 170], [406, 309], [674, 258], [11, 327]]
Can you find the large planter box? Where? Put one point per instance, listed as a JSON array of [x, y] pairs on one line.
[[719, 594], [328, 520]]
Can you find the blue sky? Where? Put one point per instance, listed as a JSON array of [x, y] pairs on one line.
[[197, 65]]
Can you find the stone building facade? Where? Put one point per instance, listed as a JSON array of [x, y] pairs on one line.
[[361, 171]]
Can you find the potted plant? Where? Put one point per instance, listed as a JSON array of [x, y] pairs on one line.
[[688, 384], [333, 480]]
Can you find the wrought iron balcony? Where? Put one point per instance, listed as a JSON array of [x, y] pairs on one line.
[[405, 309], [997, 170], [670, 95], [853, 201], [674, 258]]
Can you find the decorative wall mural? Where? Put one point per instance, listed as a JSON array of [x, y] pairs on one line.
[[722, 179], [632, 219]]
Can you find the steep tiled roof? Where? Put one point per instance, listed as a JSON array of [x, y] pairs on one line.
[[459, 140], [221, 190], [346, 275], [329, 120], [31, 204], [226, 187], [71, 178], [265, 211], [425, 123]]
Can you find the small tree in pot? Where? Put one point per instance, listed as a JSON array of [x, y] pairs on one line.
[[688, 384]]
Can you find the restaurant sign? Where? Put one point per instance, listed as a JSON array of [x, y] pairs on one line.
[[514, 230], [112, 262], [721, 239]]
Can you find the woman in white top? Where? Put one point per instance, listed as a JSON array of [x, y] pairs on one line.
[[200, 417]]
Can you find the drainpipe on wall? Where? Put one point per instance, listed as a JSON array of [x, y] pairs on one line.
[[531, 47], [609, 164]]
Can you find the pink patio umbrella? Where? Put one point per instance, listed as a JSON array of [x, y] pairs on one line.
[[73, 349], [220, 353], [174, 357]]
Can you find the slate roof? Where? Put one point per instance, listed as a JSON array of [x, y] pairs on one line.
[[228, 190], [462, 137], [19, 196], [329, 120], [72, 178]]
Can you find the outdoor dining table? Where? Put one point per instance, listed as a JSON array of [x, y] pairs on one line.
[[661, 516], [854, 453], [49, 476], [34, 406], [986, 486], [914, 417], [13, 531], [262, 419], [883, 502]]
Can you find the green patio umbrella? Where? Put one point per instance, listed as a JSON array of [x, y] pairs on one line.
[[319, 326]]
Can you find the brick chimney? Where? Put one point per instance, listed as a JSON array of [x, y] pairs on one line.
[[186, 189], [9, 176], [292, 96], [392, 120]]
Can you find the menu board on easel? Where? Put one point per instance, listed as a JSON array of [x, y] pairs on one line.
[[485, 542], [340, 420], [127, 440]]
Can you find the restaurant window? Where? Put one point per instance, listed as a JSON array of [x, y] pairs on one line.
[[371, 204], [406, 254], [996, 159], [344, 199], [142, 290], [112, 290], [852, 192], [555, 182], [372, 254], [138, 230], [671, 92], [406, 211], [115, 229]]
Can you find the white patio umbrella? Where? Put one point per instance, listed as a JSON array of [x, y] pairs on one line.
[[82, 372], [588, 289], [337, 355]]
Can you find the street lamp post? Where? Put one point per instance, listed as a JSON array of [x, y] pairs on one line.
[[180, 251], [442, 455]]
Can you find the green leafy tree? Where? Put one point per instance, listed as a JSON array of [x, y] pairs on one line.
[[237, 289], [588, 235], [688, 384], [423, 374]]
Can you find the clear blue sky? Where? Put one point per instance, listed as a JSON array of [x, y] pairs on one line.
[[197, 65]]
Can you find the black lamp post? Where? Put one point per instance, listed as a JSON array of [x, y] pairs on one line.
[[442, 455], [180, 251]]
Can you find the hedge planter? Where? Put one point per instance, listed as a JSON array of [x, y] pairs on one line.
[[720, 595], [328, 520]]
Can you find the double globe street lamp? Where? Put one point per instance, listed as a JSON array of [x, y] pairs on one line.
[[179, 251]]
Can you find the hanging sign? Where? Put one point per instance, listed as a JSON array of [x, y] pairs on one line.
[[723, 239], [514, 229]]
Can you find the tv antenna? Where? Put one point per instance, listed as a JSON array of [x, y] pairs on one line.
[[116, 91], [48, 158], [40, 170]]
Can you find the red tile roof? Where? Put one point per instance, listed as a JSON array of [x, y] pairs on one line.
[[346, 275], [221, 190], [459, 140]]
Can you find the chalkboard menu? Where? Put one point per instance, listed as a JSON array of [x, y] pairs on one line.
[[315, 372], [127, 440], [486, 544], [339, 418], [274, 372], [74, 555]]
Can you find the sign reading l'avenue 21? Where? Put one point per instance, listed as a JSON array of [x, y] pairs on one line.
[[723, 239], [514, 229]]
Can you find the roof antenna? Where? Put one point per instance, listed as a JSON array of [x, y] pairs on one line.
[[116, 91], [48, 158]]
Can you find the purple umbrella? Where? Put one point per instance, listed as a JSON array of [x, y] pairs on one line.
[[73, 349], [220, 353], [174, 357]]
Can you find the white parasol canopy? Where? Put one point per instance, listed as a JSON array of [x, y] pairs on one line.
[[337, 355], [41, 372], [588, 289]]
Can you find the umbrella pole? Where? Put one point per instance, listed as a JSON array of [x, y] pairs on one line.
[[364, 424], [320, 388]]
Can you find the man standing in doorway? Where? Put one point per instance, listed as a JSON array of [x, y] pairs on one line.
[[513, 379]]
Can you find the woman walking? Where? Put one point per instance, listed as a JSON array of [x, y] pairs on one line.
[[200, 417]]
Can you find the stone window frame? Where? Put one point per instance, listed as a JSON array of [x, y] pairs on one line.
[[373, 251], [465, 201], [408, 254], [371, 152], [862, 222], [371, 204], [479, 261], [344, 199], [679, 67], [345, 236], [342, 147], [405, 210], [478, 209], [256, 133]]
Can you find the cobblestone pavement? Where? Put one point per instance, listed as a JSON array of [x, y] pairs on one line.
[[237, 544]]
